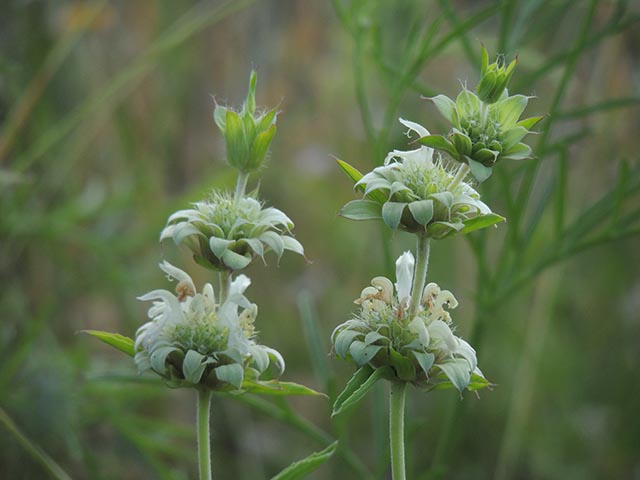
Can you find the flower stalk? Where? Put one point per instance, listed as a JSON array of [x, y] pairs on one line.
[[241, 185], [396, 429], [420, 276], [204, 437]]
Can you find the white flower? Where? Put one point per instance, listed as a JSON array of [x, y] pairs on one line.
[[209, 338], [404, 277], [422, 155]]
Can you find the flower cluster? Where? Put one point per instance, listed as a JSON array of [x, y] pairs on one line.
[[421, 348], [486, 126], [191, 338], [419, 194], [225, 233]]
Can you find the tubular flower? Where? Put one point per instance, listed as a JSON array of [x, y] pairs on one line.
[[486, 126], [225, 234], [421, 349], [192, 340], [415, 192]]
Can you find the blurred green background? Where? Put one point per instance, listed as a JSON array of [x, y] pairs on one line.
[[106, 128]]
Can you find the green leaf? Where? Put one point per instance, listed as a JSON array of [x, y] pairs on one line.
[[220, 117], [467, 103], [425, 360], [520, 151], [478, 170], [120, 342], [510, 109], [219, 245], [362, 210], [513, 136], [439, 143], [250, 102], [457, 371], [301, 468], [422, 211], [232, 373], [392, 213], [462, 143], [237, 148], [193, 366], [405, 370], [275, 387], [261, 145], [355, 175], [234, 260], [274, 241], [530, 122], [362, 353], [482, 221], [357, 387], [446, 107]]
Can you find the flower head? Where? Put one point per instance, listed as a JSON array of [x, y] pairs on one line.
[[419, 194], [191, 338], [228, 234], [421, 349], [486, 127], [248, 133]]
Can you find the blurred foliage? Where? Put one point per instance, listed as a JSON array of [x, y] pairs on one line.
[[106, 127]]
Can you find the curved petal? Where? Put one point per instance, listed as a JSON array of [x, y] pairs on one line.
[[404, 275]]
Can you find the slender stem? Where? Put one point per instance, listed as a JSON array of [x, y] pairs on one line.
[[462, 172], [225, 278], [420, 275], [204, 439], [396, 429], [241, 185]]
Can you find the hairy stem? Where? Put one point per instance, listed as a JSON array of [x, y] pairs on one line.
[[204, 441], [420, 273], [241, 185], [225, 279], [396, 429], [462, 172]]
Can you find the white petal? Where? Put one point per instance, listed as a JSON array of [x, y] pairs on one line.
[[404, 275], [239, 284], [419, 129], [177, 274]]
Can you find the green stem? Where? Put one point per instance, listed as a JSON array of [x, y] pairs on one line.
[[420, 275], [462, 172], [241, 185], [204, 440], [225, 279], [396, 429]]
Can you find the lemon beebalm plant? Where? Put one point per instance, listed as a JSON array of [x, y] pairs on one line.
[[205, 339], [403, 332]]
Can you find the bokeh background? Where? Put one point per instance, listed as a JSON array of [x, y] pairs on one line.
[[106, 128]]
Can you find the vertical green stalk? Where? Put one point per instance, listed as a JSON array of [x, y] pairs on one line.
[[462, 172], [204, 440], [241, 185], [396, 429], [420, 273], [225, 278]]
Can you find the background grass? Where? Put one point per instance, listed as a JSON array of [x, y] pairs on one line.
[[106, 128]]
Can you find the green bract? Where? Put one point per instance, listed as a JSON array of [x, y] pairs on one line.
[[486, 126], [420, 349], [192, 340], [494, 77], [416, 193], [228, 234], [247, 133]]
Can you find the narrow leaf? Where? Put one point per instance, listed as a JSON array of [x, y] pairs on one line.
[[274, 387], [120, 342], [355, 175], [302, 468], [482, 221], [362, 210], [361, 382]]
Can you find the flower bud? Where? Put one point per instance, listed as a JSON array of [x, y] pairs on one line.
[[494, 77], [247, 133]]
